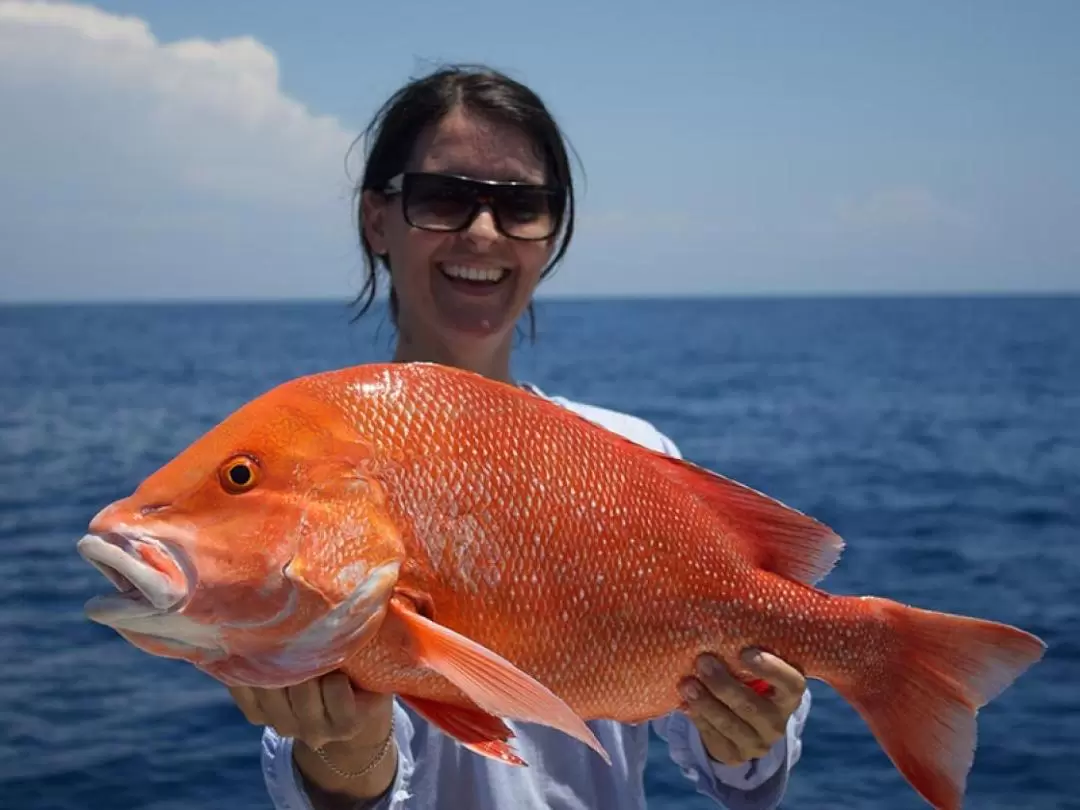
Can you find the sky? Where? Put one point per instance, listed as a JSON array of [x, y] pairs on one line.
[[158, 149]]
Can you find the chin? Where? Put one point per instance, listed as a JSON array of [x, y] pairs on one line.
[[489, 329], [485, 331]]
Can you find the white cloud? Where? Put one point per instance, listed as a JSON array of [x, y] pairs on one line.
[[122, 139], [211, 114]]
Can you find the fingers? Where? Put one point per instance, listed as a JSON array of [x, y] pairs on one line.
[[317, 711], [277, 710], [248, 703], [720, 747], [737, 723], [342, 710], [305, 700], [762, 714], [787, 682], [727, 737]]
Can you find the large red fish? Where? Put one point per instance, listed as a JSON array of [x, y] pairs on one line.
[[484, 553]]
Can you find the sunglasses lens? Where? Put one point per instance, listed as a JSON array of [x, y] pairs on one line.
[[443, 203], [438, 204], [525, 213]]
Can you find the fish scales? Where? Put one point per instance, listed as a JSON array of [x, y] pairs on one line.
[[558, 547]]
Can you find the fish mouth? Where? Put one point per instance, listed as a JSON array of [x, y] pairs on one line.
[[150, 577]]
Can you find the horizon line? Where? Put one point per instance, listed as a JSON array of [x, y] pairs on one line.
[[346, 301]]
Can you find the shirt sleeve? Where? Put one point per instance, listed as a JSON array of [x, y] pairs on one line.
[[285, 786], [669, 447], [757, 785]]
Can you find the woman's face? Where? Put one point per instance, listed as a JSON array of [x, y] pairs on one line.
[[441, 309]]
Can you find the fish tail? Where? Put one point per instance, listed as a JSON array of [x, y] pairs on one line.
[[921, 698]]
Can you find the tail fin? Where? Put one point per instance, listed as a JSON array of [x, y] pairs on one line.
[[921, 706]]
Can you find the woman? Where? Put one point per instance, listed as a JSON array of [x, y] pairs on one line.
[[467, 203]]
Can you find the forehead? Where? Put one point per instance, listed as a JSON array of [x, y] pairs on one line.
[[462, 143]]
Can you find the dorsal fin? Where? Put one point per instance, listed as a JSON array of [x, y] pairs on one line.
[[773, 536]]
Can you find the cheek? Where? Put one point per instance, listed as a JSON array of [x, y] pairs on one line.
[[411, 258], [532, 258]]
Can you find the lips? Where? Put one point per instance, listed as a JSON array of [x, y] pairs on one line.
[[148, 576]]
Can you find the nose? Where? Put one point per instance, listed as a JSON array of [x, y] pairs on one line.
[[482, 228]]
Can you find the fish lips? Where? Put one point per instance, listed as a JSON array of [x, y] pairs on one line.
[[142, 590]]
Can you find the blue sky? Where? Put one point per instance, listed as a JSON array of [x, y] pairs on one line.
[[158, 149]]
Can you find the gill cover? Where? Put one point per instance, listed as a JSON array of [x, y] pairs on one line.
[[348, 553], [280, 511]]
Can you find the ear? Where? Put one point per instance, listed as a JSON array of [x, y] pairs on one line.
[[374, 207]]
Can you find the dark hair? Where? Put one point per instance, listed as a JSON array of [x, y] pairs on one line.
[[423, 102]]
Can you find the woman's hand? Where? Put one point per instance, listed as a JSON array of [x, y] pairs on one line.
[[320, 711], [349, 726], [737, 723]]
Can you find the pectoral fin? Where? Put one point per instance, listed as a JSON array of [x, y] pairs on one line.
[[490, 681]]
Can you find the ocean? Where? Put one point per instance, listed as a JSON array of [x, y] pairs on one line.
[[939, 436]]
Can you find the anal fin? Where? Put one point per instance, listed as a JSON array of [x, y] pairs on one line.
[[475, 729]]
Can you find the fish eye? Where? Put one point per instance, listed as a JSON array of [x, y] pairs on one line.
[[239, 474]]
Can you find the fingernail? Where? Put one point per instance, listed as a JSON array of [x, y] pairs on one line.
[[752, 656], [708, 665], [691, 691]]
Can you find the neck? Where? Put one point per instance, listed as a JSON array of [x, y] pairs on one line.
[[493, 362]]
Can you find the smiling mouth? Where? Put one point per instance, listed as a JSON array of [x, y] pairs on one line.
[[472, 275], [149, 578]]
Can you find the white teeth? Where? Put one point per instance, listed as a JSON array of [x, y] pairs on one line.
[[474, 273]]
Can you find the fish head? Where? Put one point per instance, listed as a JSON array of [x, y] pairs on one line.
[[262, 553]]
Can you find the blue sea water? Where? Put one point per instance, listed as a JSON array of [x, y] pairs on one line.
[[940, 437]]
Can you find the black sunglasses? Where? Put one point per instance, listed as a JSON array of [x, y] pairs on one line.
[[450, 202]]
